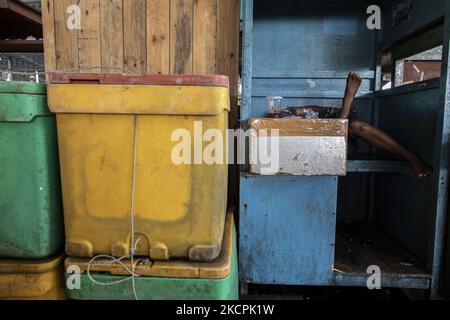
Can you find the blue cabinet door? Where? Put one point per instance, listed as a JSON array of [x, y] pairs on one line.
[[287, 229]]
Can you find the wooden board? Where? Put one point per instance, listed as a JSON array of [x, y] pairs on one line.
[[135, 36], [111, 35], [158, 36], [205, 36], [18, 21], [21, 46], [89, 53], [227, 62], [181, 36], [153, 36], [66, 41], [48, 18], [228, 35]]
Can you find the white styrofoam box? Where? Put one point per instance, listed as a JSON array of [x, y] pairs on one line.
[[298, 147]]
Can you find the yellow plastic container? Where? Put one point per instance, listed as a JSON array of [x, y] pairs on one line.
[[220, 268], [32, 280], [112, 128]]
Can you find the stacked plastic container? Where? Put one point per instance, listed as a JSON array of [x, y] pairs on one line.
[[31, 219], [136, 186]]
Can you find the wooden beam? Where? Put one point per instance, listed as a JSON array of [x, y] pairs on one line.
[[48, 28], [111, 35], [22, 9], [21, 46]]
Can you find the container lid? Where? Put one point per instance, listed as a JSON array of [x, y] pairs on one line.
[[217, 269], [12, 266], [23, 87], [126, 79], [164, 98]]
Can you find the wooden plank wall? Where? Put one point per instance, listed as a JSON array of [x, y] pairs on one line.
[[144, 36], [147, 36]]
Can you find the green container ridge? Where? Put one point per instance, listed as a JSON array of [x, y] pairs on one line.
[[31, 220], [153, 288]]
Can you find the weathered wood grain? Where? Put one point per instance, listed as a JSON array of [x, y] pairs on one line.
[[66, 40], [181, 36], [89, 37], [158, 36], [111, 35], [148, 36], [135, 36], [205, 36]]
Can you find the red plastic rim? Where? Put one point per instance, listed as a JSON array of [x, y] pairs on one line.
[[126, 79]]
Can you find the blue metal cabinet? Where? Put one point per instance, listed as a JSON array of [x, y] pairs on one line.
[[287, 229], [303, 230]]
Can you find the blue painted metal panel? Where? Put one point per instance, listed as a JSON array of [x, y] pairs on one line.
[[341, 26], [287, 229], [313, 88], [410, 118], [303, 52], [403, 208], [423, 13], [442, 158], [293, 36]]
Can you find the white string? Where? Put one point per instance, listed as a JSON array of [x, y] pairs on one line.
[[134, 243], [133, 181]]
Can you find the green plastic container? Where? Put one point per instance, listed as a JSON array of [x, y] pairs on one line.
[[158, 289], [31, 219], [154, 288]]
